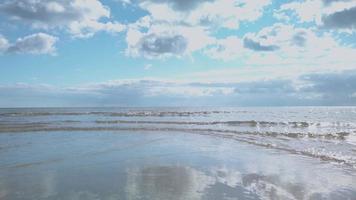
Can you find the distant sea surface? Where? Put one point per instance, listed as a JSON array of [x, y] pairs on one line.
[[245, 153]]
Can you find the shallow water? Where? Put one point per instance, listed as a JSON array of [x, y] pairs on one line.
[[185, 153]]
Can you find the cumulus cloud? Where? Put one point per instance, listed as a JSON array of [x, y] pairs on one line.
[[79, 17], [210, 13], [180, 5], [195, 24], [268, 39], [164, 40], [306, 11], [226, 49], [344, 19], [153, 45], [44, 13], [257, 46], [38, 43], [332, 14], [299, 38], [301, 47], [4, 44]]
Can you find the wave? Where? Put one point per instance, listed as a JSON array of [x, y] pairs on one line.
[[37, 127], [310, 152], [251, 123], [232, 123], [228, 134], [118, 114]]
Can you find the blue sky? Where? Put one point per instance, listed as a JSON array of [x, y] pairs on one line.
[[177, 53]]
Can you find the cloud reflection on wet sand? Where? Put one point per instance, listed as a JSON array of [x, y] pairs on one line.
[[197, 167]]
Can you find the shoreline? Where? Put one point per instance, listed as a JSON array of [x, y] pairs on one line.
[[158, 165]]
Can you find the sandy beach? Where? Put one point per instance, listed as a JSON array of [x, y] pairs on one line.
[[178, 153], [160, 165], [177, 100]]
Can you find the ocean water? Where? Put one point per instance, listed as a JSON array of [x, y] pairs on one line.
[[178, 153]]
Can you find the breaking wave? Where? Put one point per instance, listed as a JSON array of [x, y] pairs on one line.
[[116, 114], [327, 136]]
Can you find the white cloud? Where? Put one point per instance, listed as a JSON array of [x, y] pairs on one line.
[[221, 13], [178, 5], [306, 11], [330, 14], [82, 18], [196, 23], [226, 49], [4, 44], [153, 45], [285, 38], [163, 40], [258, 46], [304, 47], [335, 88], [39, 43], [281, 45], [85, 29], [344, 19]]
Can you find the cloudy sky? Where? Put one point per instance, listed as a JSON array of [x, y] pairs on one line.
[[177, 52]]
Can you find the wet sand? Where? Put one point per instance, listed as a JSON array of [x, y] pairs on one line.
[[161, 165]]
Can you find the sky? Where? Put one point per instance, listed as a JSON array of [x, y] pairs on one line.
[[177, 53]]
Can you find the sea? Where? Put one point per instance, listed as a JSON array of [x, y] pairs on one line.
[[178, 153]]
